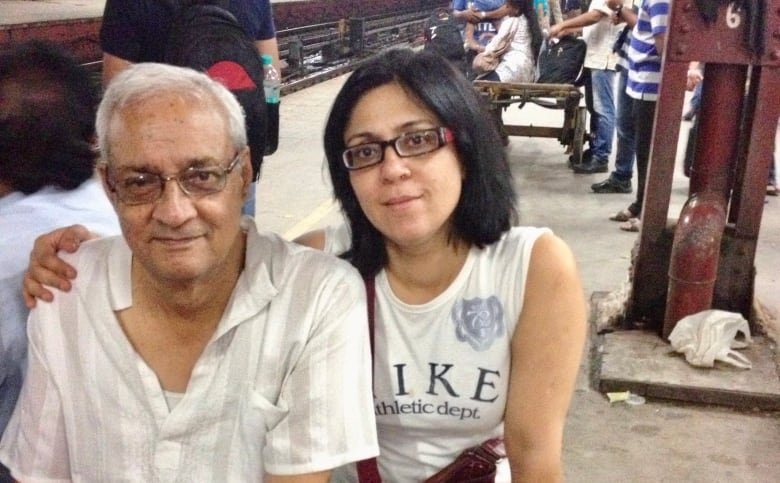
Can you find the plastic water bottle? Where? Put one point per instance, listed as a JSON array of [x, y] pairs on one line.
[[272, 81], [272, 85]]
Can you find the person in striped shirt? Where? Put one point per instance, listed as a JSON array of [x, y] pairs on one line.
[[192, 347], [644, 77]]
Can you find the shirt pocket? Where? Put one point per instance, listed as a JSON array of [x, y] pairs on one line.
[[259, 416]]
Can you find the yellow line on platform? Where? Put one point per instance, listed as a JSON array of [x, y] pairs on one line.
[[312, 220]]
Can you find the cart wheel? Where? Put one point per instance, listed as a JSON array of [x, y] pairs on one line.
[[579, 134]]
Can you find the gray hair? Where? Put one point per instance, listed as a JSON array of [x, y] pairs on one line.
[[146, 80]]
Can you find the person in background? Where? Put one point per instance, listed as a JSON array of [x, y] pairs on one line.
[[481, 321], [475, 12], [518, 63], [138, 31], [644, 76], [548, 13], [619, 180], [599, 34], [192, 347], [47, 162]]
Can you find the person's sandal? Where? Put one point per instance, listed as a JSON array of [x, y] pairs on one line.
[[622, 215], [771, 190], [632, 224]]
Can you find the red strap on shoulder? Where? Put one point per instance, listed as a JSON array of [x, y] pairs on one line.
[[367, 470]]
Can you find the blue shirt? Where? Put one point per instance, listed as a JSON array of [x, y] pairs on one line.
[[644, 71], [22, 219]]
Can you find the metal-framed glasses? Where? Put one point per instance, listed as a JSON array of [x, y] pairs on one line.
[[407, 145], [139, 188]]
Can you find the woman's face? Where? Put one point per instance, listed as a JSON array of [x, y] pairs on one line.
[[410, 200]]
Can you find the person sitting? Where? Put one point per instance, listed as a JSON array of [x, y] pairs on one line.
[[468, 346], [472, 13], [191, 348], [47, 163], [521, 29]]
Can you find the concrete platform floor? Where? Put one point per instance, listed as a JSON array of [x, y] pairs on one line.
[[640, 362]]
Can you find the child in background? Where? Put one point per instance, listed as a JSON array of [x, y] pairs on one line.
[[475, 12]]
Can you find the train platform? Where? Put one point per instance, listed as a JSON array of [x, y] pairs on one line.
[[655, 441], [21, 12]]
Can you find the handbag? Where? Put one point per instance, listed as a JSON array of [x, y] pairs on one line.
[[474, 465], [487, 61]]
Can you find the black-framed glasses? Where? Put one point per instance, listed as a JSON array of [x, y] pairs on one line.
[[196, 181], [407, 145]]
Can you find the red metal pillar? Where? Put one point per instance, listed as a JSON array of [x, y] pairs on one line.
[[731, 156]]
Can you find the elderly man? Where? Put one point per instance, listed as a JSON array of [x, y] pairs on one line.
[[192, 348]]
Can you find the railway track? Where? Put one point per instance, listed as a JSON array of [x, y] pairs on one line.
[[315, 53]]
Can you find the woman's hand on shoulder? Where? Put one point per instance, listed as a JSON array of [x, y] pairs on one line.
[[546, 353], [47, 268]]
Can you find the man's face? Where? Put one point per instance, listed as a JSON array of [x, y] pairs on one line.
[[178, 239]]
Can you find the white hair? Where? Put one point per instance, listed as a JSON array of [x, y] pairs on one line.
[[146, 80]]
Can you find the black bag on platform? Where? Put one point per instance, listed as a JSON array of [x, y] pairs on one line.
[[561, 62]]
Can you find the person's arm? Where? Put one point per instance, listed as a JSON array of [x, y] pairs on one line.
[[461, 11], [271, 47], [498, 13], [112, 65], [660, 40], [47, 268], [694, 75], [623, 13], [319, 477], [568, 26], [546, 352]]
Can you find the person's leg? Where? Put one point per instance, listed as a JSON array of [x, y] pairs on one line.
[[619, 181], [644, 113], [693, 106], [602, 86], [468, 38]]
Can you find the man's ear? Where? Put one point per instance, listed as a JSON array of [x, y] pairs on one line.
[[246, 171], [102, 170]]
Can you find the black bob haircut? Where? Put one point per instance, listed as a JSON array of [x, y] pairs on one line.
[[486, 208], [47, 129]]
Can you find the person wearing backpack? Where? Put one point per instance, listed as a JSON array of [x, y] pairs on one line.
[[141, 31], [138, 31]]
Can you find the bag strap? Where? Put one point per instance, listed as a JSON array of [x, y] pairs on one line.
[[367, 469]]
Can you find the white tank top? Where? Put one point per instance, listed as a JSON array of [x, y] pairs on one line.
[[441, 369]]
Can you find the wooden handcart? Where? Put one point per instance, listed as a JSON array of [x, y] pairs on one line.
[[572, 134]]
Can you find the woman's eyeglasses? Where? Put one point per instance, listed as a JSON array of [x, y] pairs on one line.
[[406, 145]]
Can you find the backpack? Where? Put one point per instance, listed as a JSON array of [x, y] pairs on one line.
[[442, 36], [207, 37], [561, 62]]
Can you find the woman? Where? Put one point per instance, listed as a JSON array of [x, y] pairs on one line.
[[521, 28], [463, 313], [479, 326]]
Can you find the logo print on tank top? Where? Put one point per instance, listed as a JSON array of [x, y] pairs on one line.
[[478, 321]]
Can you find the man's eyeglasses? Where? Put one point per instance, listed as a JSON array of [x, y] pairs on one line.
[[195, 182], [406, 145]]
